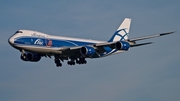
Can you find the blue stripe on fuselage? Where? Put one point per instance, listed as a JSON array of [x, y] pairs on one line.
[[45, 42]]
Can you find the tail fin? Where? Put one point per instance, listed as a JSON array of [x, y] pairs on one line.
[[122, 31]]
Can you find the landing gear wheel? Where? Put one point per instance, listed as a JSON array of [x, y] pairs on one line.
[[82, 61], [71, 63], [85, 61], [58, 63]]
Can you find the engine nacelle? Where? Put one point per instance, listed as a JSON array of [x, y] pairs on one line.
[[122, 45], [87, 51], [33, 57]]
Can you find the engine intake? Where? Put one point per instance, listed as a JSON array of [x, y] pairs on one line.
[[33, 57], [87, 51], [122, 45]]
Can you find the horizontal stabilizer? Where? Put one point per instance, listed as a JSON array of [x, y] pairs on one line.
[[141, 44]]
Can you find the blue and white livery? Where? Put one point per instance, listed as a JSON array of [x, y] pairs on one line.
[[34, 45]]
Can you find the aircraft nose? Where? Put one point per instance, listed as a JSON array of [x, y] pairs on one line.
[[11, 40]]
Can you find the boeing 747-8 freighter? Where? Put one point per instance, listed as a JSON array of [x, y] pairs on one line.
[[34, 45]]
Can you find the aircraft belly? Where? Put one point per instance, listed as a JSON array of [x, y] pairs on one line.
[[44, 50]]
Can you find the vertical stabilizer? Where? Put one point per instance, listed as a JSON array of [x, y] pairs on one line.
[[122, 31]]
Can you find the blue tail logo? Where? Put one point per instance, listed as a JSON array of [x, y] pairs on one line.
[[119, 35], [122, 32]]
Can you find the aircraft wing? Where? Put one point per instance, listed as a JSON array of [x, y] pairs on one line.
[[73, 51], [65, 50], [148, 37], [133, 40]]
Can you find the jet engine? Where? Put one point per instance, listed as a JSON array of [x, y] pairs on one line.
[[28, 56], [122, 45], [87, 51]]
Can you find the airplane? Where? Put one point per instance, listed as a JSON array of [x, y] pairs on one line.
[[34, 45]]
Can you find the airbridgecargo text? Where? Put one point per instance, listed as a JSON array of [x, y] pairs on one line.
[[38, 42]]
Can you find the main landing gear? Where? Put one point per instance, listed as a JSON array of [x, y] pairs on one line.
[[71, 62], [58, 62], [81, 61], [78, 61]]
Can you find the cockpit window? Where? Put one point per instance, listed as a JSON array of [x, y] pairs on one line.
[[18, 32]]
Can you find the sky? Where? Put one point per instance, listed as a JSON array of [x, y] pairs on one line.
[[146, 73]]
